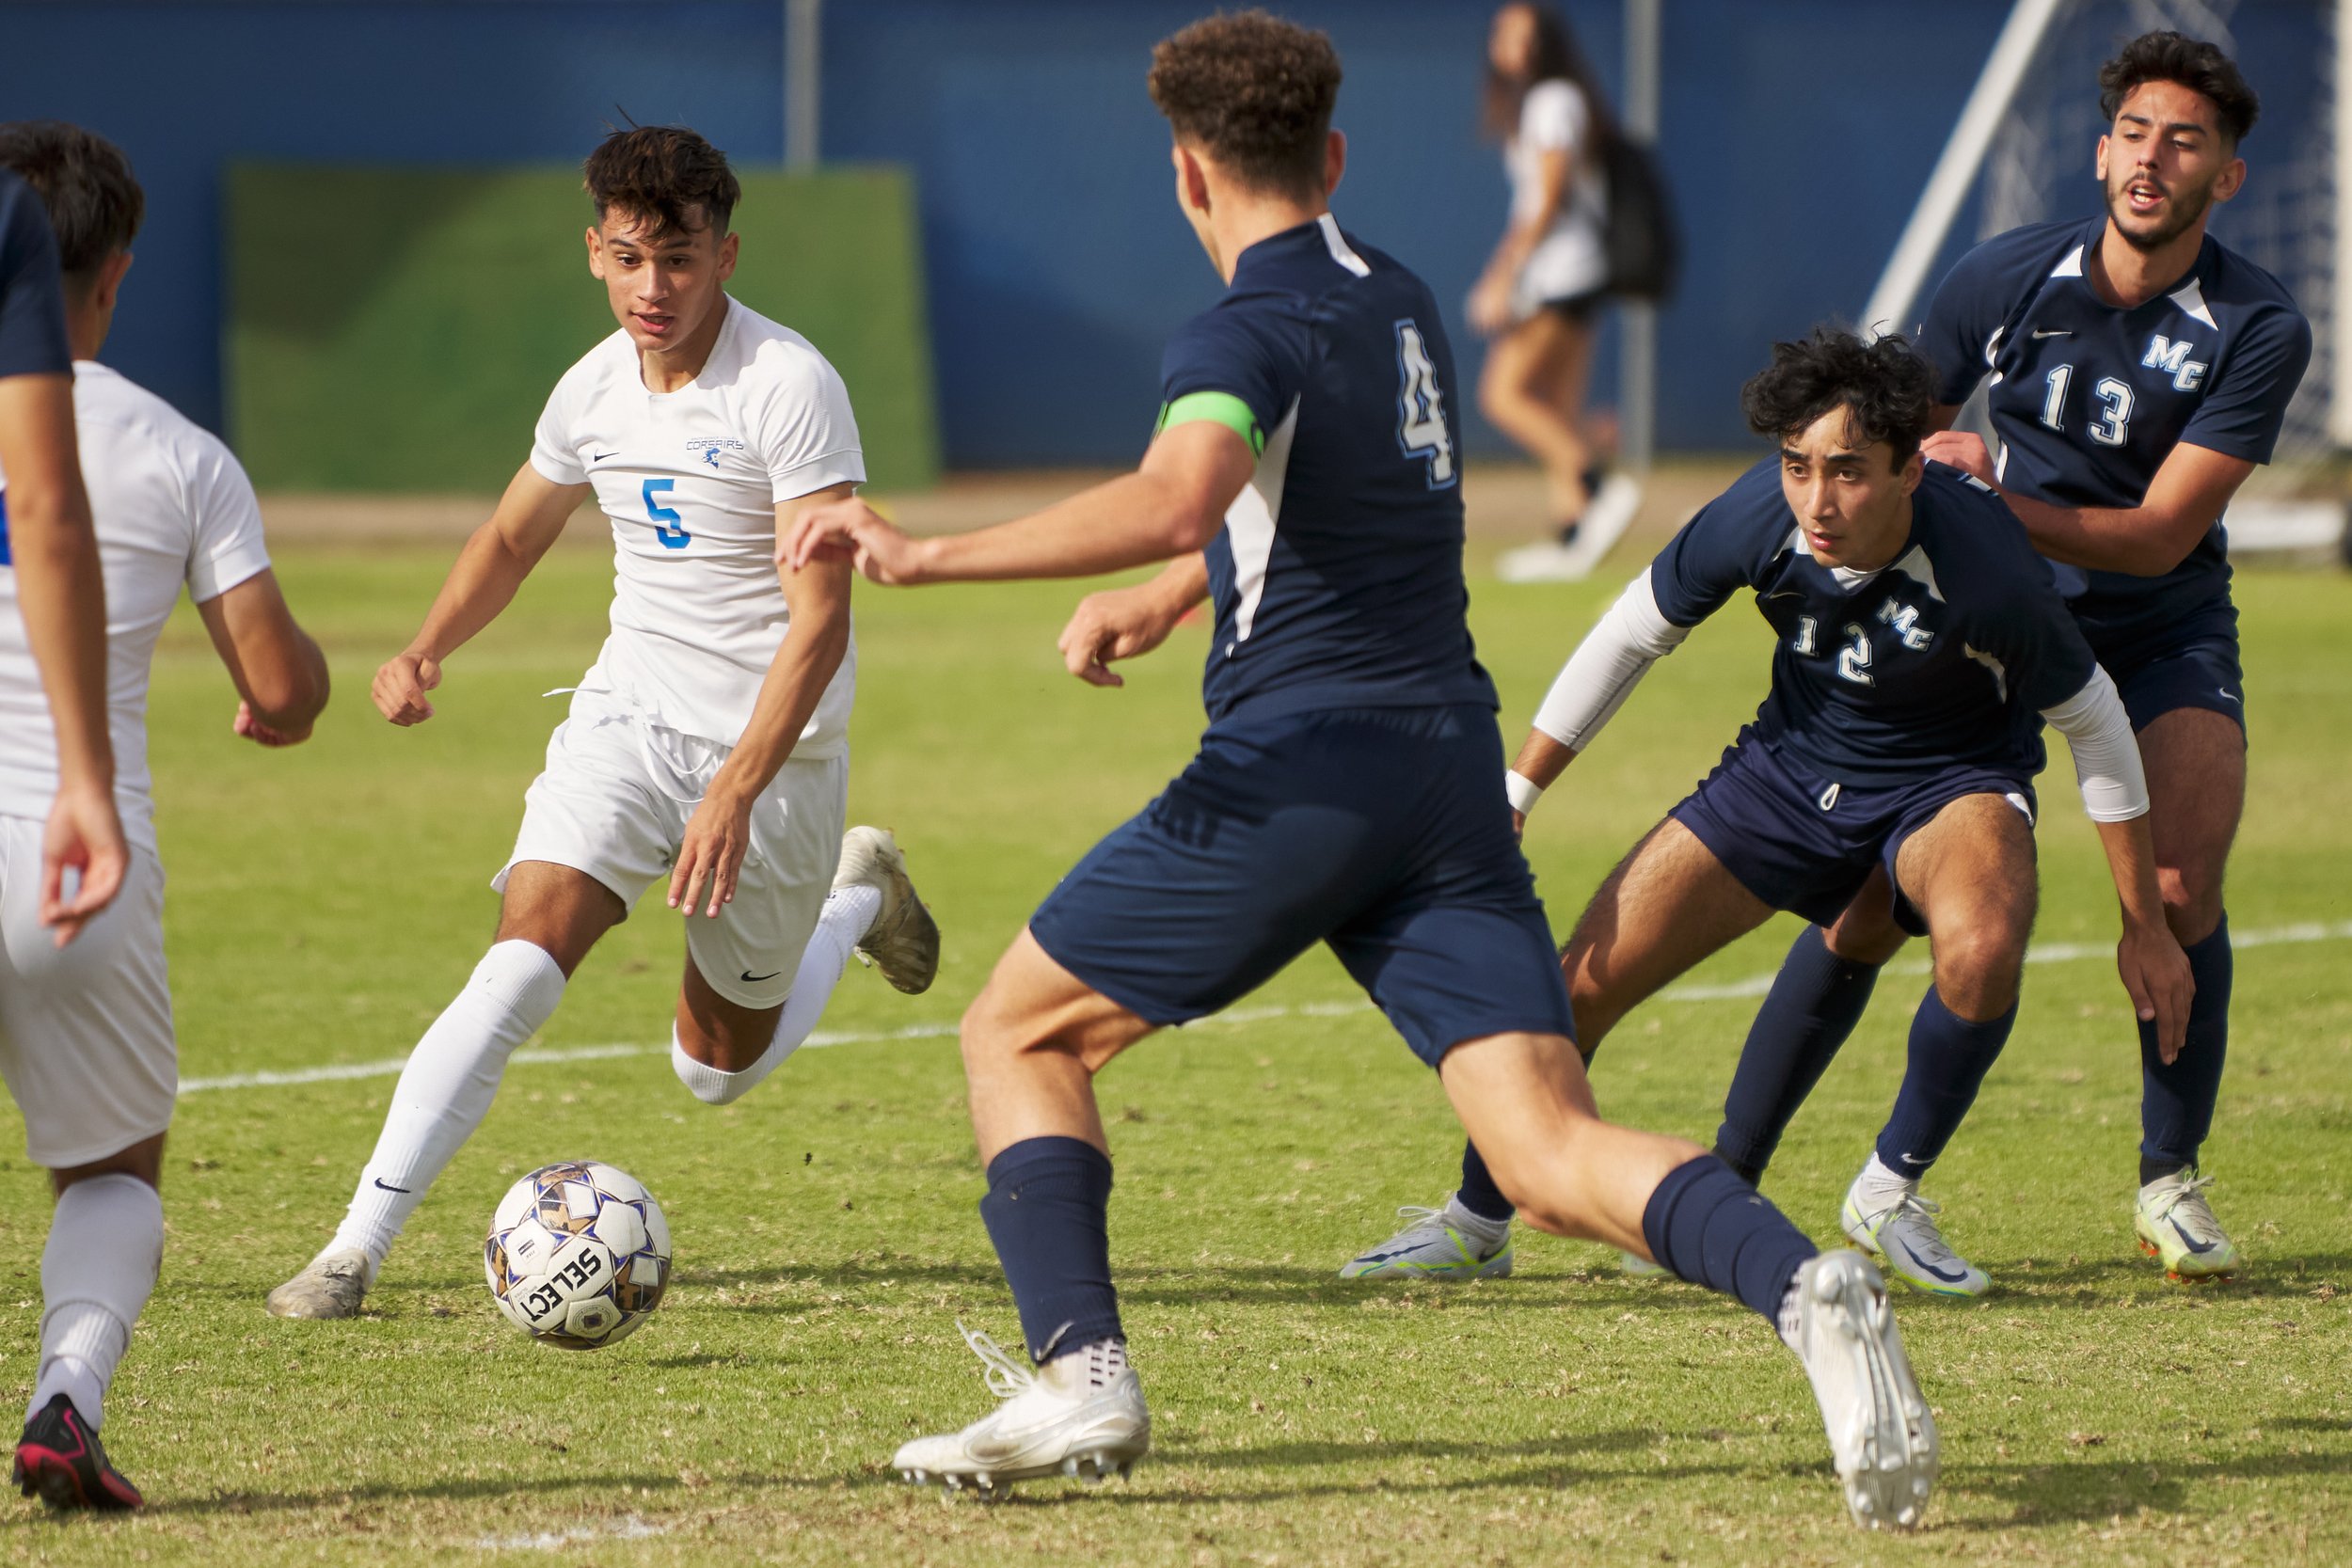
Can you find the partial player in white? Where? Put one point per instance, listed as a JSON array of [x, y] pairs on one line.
[[709, 744], [85, 1030]]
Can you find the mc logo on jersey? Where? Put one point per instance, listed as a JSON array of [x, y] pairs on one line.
[[2173, 359], [1905, 620], [708, 448]]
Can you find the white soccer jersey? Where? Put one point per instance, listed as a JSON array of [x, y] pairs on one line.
[[1572, 258], [173, 509], [691, 479]]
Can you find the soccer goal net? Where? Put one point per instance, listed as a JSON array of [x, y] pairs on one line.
[[2023, 153]]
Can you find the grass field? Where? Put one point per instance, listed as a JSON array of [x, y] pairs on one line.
[[325, 903]]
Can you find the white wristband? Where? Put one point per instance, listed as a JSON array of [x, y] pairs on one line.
[[1522, 791]]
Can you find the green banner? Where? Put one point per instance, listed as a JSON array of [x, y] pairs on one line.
[[399, 329]]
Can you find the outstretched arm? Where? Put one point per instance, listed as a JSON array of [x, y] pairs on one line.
[[278, 671], [1171, 506], [501, 552], [2115, 794], [2189, 492], [815, 639]]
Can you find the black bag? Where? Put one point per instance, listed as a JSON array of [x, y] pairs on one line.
[[1643, 245]]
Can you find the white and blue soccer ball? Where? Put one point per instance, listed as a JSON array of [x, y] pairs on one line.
[[579, 1255]]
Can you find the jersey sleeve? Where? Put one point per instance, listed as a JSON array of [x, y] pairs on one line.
[[554, 452], [2243, 409], [32, 307], [1222, 366], [227, 547], [1721, 550], [1552, 117], [802, 427], [1965, 310]]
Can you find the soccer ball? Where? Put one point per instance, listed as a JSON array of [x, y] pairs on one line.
[[579, 1255]]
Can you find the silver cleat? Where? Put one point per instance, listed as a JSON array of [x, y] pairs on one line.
[[1881, 1436], [1080, 1416], [903, 942], [333, 1285]]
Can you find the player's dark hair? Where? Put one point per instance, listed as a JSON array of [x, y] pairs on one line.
[[1255, 93], [1885, 385], [95, 205], [2192, 63], [1556, 58], [665, 175]]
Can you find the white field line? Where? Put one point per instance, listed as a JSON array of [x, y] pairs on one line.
[[1754, 986]]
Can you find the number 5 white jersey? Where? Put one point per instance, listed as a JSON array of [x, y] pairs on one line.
[[691, 479]]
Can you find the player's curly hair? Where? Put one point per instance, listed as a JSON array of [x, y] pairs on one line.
[[95, 206], [665, 174], [1255, 93], [2198, 66], [1885, 385]]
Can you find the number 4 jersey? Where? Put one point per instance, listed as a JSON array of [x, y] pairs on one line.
[[691, 479], [1338, 576], [2089, 399]]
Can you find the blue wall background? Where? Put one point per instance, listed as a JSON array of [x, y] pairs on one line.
[[1798, 134]]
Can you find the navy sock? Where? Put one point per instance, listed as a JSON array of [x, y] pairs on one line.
[[1950, 1057], [1046, 1212], [1478, 1193], [1815, 1002], [2176, 1102], [1713, 1230]]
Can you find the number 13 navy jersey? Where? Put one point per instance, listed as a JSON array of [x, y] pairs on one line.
[[2089, 399], [1337, 578]]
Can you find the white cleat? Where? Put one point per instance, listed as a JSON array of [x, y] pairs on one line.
[[1635, 1266], [1433, 1245], [1607, 515], [1882, 1437], [903, 942], [1080, 1415], [1903, 1236], [333, 1285]]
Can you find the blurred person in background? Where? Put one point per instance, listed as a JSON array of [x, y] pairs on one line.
[[1538, 302]]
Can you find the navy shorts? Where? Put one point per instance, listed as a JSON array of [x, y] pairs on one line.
[[1804, 843], [2194, 664], [1383, 832]]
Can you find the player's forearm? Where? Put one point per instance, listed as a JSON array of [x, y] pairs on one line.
[[2137, 541], [811, 654], [1133, 520], [1184, 583], [62, 592], [488, 572], [293, 697], [2132, 860], [1542, 759]]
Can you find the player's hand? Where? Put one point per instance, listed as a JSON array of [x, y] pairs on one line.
[[1117, 623], [2156, 973], [881, 551], [84, 836], [266, 734], [1518, 824], [401, 685], [1490, 305], [1959, 449], [711, 853]]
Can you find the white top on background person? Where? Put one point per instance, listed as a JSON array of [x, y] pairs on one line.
[[691, 479], [174, 510], [1571, 258]]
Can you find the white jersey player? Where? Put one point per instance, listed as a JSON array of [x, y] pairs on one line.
[[708, 743], [85, 1032]]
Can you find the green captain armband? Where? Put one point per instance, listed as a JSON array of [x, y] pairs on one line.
[[1217, 408]]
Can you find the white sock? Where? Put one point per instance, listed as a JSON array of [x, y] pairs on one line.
[[1477, 1224], [105, 1246], [446, 1088], [847, 915], [1878, 1189]]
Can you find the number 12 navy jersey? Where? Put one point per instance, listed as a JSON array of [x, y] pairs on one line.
[[1337, 578], [2089, 398]]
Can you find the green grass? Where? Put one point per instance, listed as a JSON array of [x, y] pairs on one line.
[[325, 903]]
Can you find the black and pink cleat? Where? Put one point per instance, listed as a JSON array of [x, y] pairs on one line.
[[59, 1459]]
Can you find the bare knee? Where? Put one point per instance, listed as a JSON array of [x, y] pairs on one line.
[[1978, 967], [143, 1160], [2192, 899]]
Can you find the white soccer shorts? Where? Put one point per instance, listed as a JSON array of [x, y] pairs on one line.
[[613, 803], [86, 1038]]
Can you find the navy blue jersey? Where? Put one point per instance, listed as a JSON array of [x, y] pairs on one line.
[[1943, 658], [1337, 578], [32, 311], [2089, 399]]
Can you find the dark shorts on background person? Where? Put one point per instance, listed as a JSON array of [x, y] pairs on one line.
[[1577, 308], [2194, 664], [1806, 843], [1383, 832]]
